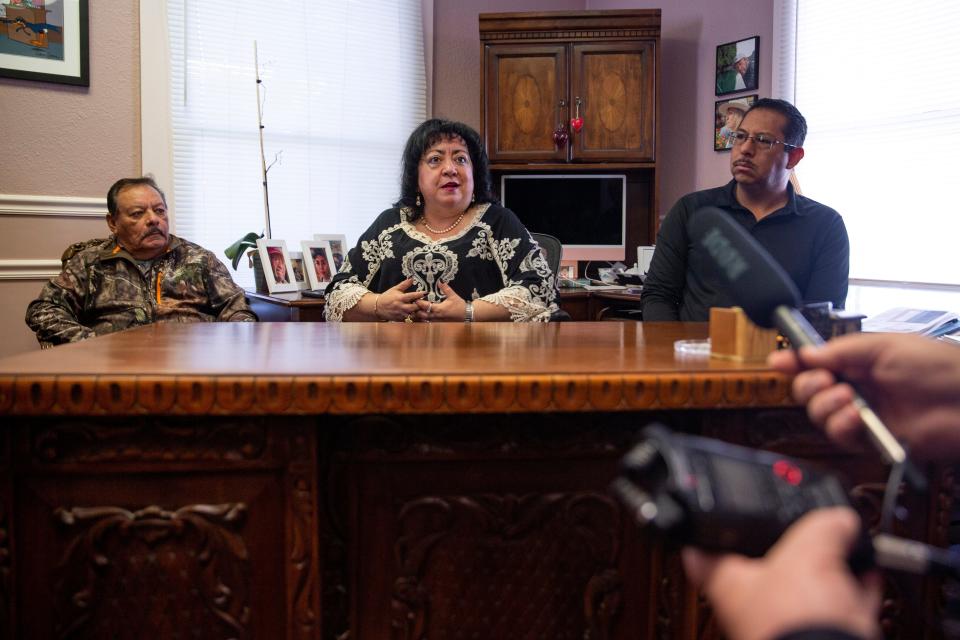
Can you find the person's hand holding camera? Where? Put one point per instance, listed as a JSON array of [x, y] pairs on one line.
[[802, 583]]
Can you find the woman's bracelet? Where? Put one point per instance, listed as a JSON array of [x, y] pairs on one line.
[[376, 307], [468, 312]]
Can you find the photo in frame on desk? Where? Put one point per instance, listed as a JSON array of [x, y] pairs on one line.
[[319, 263], [338, 247], [299, 271], [277, 268]]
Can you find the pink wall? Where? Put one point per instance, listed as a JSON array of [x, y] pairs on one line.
[[690, 32], [75, 141], [456, 51], [60, 140]]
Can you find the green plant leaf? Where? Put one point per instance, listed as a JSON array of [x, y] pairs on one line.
[[238, 248]]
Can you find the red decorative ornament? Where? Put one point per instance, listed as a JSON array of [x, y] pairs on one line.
[[576, 122], [560, 136]]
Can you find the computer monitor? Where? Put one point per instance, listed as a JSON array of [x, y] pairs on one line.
[[586, 212]]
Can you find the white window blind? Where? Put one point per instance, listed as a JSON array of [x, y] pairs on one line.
[[343, 86], [879, 84]]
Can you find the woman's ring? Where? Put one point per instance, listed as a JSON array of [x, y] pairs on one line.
[[429, 307], [408, 319]]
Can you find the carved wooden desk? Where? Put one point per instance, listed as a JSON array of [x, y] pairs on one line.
[[302, 480]]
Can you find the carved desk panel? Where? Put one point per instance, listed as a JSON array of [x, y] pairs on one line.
[[375, 480]]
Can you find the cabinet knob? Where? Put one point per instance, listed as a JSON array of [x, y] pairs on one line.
[[560, 135]]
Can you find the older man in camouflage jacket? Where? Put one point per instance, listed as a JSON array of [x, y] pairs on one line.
[[138, 276]]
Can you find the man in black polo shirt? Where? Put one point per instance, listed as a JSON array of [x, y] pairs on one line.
[[808, 239]]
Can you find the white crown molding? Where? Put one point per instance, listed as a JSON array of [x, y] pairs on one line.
[[59, 206], [29, 269]]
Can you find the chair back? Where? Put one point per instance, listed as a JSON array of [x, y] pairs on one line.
[[553, 252], [552, 249]]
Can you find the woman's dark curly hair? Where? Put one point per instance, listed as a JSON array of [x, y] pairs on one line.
[[427, 135]]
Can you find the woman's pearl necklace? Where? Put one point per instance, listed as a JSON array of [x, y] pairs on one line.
[[440, 231]]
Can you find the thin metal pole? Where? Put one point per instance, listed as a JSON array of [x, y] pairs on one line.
[[263, 160]]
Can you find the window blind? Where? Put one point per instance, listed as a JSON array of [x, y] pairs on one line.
[[343, 85], [879, 84]]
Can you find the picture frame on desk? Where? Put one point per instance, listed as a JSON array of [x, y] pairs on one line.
[[277, 268], [338, 247], [46, 44], [299, 270], [319, 263]]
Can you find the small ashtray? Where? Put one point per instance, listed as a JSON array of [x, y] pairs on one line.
[[691, 349]]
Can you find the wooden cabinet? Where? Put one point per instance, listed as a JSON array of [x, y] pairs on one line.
[[537, 69], [614, 83], [527, 86], [543, 69]]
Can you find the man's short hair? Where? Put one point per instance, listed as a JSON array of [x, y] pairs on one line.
[[796, 130], [124, 183]]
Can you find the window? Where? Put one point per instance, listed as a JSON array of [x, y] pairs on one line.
[[879, 84], [343, 84]]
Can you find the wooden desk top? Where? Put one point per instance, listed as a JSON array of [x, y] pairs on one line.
[[309, 368]]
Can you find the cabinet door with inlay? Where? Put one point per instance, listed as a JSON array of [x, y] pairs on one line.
[[525, 85], [615, 84]]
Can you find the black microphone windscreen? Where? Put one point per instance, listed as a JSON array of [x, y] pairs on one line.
[[754, 280]]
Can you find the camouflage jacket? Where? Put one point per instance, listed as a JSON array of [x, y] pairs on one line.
[[103, 289]]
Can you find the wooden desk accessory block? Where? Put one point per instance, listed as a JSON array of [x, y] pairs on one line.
[[734, 337]]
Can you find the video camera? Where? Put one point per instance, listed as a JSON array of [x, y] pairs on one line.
[[727, 498]]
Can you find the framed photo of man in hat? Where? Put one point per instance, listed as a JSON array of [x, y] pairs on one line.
[[277, 268], [738, 66], [727, 115]]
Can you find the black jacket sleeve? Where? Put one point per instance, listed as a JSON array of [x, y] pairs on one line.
[[830, 273]]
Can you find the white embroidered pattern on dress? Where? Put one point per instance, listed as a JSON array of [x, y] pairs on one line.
[[523, 307], [430, 265], [343, 298], [376, 251], [480, 247], [505, 248], [434, 262], [534, 261]]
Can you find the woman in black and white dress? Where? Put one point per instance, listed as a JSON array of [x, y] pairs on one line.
[[446, 251]]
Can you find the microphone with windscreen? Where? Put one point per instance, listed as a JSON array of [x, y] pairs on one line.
[[770, 299]]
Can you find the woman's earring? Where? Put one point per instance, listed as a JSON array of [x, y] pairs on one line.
[[418, 199]]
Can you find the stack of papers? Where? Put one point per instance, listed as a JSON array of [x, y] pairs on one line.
[[921, 321], [604, 287]]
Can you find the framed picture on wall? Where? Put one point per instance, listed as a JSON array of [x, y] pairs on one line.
[[738, 66], [45, 40], [727, 115], [277, 269]]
